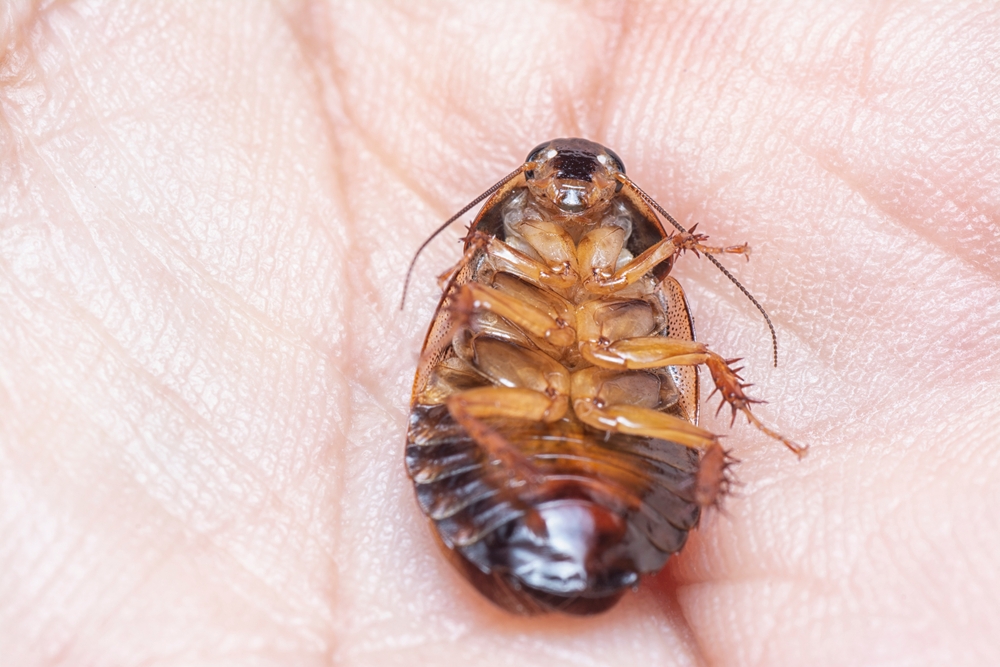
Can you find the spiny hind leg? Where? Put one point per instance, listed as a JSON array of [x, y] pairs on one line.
[[635, 420], [631, 402], [470, 408], [713, 480], [658, 352], [528, 386], [628, 402]]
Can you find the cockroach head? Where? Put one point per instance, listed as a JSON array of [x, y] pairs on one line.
[[573, 176]]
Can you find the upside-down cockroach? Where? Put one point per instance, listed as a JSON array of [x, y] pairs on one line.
[[553, 437]]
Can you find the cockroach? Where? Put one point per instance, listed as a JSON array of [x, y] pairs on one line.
[[553, 436]]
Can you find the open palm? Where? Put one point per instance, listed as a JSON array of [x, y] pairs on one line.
[[205, 216]]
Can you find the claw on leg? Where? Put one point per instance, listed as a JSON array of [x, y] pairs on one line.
[[695, 243], [644, 352], [731, 386]]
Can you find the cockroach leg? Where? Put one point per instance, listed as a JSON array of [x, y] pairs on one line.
[[477, 241], [636, 420], [658, 352], [500, 451], [630, 272], [475, 297], [599, 283], [553, 243], [694, 242], [644, 352], [510, 403], [562, 275], [729, 384], [713, 480], [742, 249]]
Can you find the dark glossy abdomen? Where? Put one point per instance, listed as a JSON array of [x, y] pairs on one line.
[[602, 510]]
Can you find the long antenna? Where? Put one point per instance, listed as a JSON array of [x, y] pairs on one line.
[[502, 182], [652, 202]]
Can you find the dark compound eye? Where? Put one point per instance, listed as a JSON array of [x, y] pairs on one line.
[[537, 151], [618, 160]]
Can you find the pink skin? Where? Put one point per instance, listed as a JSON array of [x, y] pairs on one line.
[[204, 219]]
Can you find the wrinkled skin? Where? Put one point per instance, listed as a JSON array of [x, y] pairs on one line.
[[205, 215]]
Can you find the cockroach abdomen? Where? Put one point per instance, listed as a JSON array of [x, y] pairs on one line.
[[573, 540]]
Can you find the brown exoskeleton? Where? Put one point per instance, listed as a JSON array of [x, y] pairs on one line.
[[553, 434]]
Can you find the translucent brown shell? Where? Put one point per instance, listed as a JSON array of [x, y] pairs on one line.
[[560, 515]]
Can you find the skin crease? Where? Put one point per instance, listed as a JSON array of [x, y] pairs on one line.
[[205, 215]]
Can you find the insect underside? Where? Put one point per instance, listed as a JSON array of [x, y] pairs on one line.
[[553, 436]]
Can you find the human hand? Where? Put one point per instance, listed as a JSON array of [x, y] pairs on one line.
[[205, 215]]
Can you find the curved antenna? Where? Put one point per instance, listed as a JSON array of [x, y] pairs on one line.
[[652, 202], [499, 184]]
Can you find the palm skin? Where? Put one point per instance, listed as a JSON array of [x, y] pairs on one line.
[[204, 217]]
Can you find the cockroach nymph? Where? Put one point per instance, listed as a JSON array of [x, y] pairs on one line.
[[553, 438]]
